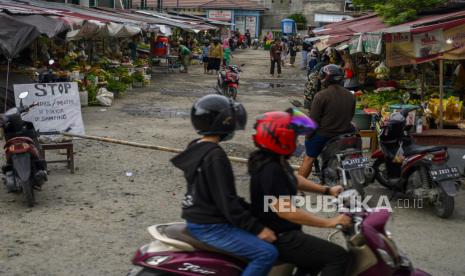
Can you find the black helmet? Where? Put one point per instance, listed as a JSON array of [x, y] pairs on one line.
[[217, 115], [331, 74]]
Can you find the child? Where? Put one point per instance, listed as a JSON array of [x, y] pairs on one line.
[[214, 213]]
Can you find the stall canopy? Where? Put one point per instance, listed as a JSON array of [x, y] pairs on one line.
[[429, 38], [15, 35], [45, 25]]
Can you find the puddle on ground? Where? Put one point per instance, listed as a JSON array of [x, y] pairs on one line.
[[276, 88], [187, 92], [156, 111], [267, 85]]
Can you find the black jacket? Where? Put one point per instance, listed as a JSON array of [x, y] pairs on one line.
[[211, 193]]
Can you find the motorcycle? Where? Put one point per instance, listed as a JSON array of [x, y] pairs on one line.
[[49, 76], [175, 252], [228, 81], [420, 172], [342, 162], [25, 169], [255, 43]]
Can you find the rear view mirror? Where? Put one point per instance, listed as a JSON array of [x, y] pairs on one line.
[[23, 95]]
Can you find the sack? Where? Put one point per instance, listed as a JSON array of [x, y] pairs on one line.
[[399, 157], [104, 97]]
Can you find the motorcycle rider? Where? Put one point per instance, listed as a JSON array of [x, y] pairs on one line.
[[215, 214], [333, 109], [272, 176]]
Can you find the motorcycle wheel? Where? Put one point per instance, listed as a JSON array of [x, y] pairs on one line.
[[28, 192], [444, 205], [232, 92], [380, 173]]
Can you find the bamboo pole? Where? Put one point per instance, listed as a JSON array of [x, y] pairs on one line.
[[146, 146], [441, 93]]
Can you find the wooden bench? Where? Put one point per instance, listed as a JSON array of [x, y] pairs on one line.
[[68, 146]]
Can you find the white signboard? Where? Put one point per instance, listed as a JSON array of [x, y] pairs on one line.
[[58, 109], [221, 15], [251, 25], [428, 43], [240, 24]]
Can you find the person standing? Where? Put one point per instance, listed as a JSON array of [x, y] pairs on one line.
[[185, 55], [306, 48], [275, 57], [215, 56], [227, 55], [249, 38], [292, 51], [205, 51], [284, 52]]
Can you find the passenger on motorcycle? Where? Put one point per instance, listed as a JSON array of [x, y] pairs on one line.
[[215, 214], [332, 109], [272, 176]]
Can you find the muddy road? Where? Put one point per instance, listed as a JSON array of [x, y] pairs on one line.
[[91, 223]]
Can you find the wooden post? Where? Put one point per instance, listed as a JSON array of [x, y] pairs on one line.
[[441, 93]]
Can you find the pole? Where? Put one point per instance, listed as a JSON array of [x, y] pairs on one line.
[[441, 93], [145, 146], [6, 86]]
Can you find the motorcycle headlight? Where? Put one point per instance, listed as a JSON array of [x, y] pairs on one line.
[[156, 260], [386, 258]]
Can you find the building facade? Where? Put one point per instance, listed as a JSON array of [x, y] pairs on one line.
[[317, 12]]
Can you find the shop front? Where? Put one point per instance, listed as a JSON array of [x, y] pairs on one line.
[[241, 20]]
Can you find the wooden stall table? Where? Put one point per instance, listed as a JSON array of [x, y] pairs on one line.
[[68, 146], [373, 135], [446, 137]]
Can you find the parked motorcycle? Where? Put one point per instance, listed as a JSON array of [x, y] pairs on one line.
[[228, 81], [420, 172], [25, 170], [343, 163], [175, 252], [49, 76], [255, 43]]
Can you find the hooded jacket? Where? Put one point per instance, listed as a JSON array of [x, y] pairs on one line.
[[211, 196]]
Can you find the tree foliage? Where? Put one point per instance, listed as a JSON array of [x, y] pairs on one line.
[[299, 19], [397, 11]]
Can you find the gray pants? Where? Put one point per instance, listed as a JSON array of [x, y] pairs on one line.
[[304, 59]]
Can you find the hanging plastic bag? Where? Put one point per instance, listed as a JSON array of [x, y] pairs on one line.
[[399, 157]]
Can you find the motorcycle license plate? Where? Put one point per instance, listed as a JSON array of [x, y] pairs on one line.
[[444, 173], [354, 163]]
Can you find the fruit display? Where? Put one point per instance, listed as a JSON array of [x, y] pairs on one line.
[[452, 108], [382, 72]]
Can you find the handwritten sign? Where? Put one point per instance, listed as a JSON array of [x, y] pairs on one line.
[[58, 109]]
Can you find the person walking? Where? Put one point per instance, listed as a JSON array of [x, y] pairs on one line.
[[249, 38], [275, 57], [227, 56], [215, 55]]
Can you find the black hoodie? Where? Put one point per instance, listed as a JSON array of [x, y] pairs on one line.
[[211, 196]]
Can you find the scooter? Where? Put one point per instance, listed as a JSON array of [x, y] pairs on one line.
[[343, 163], [420, 172], [175, 252], [255, 43], [49, 76], [228, 81], [25, 169]]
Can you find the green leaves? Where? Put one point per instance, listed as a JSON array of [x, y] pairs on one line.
[[299, 19], [396, 12]]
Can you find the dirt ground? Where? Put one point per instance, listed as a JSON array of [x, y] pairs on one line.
[[91, 223]]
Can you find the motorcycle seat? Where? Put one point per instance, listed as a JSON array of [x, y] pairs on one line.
[[417, 149], [179, 232]]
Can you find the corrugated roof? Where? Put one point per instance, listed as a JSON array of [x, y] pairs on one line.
[[215, 4]]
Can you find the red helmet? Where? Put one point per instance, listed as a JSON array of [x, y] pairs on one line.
[[277, 131]]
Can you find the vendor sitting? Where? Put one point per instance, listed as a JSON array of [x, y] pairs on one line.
[[459, 80]]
